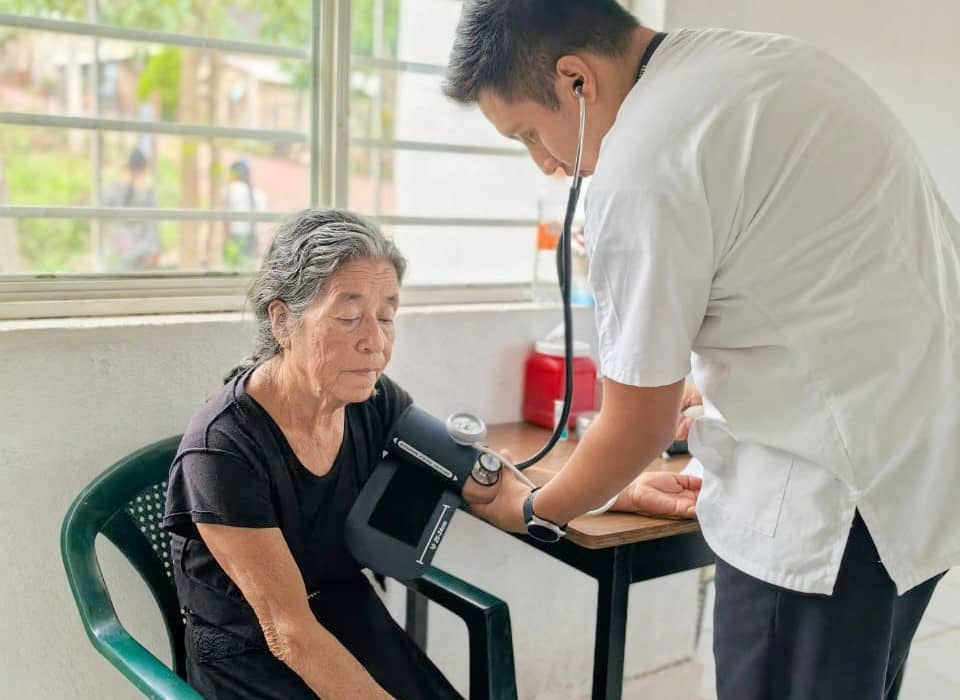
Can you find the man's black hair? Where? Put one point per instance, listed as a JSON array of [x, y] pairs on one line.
[[511, 47]]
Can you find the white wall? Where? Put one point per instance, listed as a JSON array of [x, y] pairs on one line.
[[78, 395], [908, 52]]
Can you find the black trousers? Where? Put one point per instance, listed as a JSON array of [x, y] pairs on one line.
[[774, 644]]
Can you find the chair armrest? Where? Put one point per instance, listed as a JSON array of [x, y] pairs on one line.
[[142, 668], [99, 617], [492, 672], [455, 594]]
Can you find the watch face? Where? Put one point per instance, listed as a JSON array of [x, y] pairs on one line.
[[541, 533]]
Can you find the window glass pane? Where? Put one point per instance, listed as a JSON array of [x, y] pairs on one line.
[[419, 31], [50, 245], [74, 10], [371, 189], [184, 84], [45, 245], [46, 167], [415, 183], [440, 255], [278, 22], [46, 73], [198, 173], [57, 168], [426, 29], [412, 107]]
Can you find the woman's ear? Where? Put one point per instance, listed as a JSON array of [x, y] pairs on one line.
[[280, 322]]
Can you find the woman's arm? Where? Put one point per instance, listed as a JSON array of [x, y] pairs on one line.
[[259, 562]]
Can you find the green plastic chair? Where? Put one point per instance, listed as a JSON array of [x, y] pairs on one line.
[[125, 504]]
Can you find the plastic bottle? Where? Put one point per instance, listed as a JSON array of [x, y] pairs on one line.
[[551, 208], [580, 292]]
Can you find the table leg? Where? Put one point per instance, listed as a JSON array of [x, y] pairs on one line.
[[416, 618], [897, 683], [612, 597]]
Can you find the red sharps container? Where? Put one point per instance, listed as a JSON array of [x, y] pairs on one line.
[[543, 381]]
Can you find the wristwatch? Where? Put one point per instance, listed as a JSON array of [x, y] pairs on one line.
[[538, 528]]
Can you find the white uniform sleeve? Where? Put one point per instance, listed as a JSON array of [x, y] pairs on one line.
[[651, 270]]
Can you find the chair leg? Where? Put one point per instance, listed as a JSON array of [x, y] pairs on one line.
[[416, 618], [490, 639]]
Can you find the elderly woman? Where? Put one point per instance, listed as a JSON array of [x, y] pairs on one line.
[[268, 470]]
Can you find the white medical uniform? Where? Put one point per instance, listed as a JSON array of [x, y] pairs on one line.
[[757, 205]]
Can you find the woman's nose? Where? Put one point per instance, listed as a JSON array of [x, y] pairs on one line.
[[373, 339]]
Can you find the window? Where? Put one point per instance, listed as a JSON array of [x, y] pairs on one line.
[[147, 150], [459, 199]]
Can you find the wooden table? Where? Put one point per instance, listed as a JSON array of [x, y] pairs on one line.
[[617, 549]]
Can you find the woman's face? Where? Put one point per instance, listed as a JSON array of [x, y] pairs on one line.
[[344, 339]]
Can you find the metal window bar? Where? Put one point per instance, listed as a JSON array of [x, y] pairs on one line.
[[393, 64], [435, 147], [376, 117], [229, 132], [96, 165], [150, 127], [317, 167], [340, 138], [23, 211], [149, 36]]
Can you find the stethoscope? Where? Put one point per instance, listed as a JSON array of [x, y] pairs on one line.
[[469, 429]]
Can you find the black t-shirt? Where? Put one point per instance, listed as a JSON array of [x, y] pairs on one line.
[[235, 467]]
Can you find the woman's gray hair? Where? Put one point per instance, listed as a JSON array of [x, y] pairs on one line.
[[305, 253]]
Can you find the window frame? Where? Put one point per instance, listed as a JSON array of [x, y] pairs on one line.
[[53, 295]]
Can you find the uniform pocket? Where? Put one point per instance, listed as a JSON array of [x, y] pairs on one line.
[[747, 481], [759, 485]]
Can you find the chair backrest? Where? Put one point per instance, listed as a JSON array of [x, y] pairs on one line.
[[125, 504]]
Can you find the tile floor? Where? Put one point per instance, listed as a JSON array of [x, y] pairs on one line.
[[933, 671]]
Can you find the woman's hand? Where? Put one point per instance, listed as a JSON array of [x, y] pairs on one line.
[[691, 397], [661, 494], [505, 511]]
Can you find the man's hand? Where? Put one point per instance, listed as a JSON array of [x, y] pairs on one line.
[[506, 510], [691, 397], [661, 494]]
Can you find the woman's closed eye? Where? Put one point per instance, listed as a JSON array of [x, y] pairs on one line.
[[351, 320]]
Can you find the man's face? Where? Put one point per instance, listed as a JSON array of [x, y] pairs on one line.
[[550, 136]]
